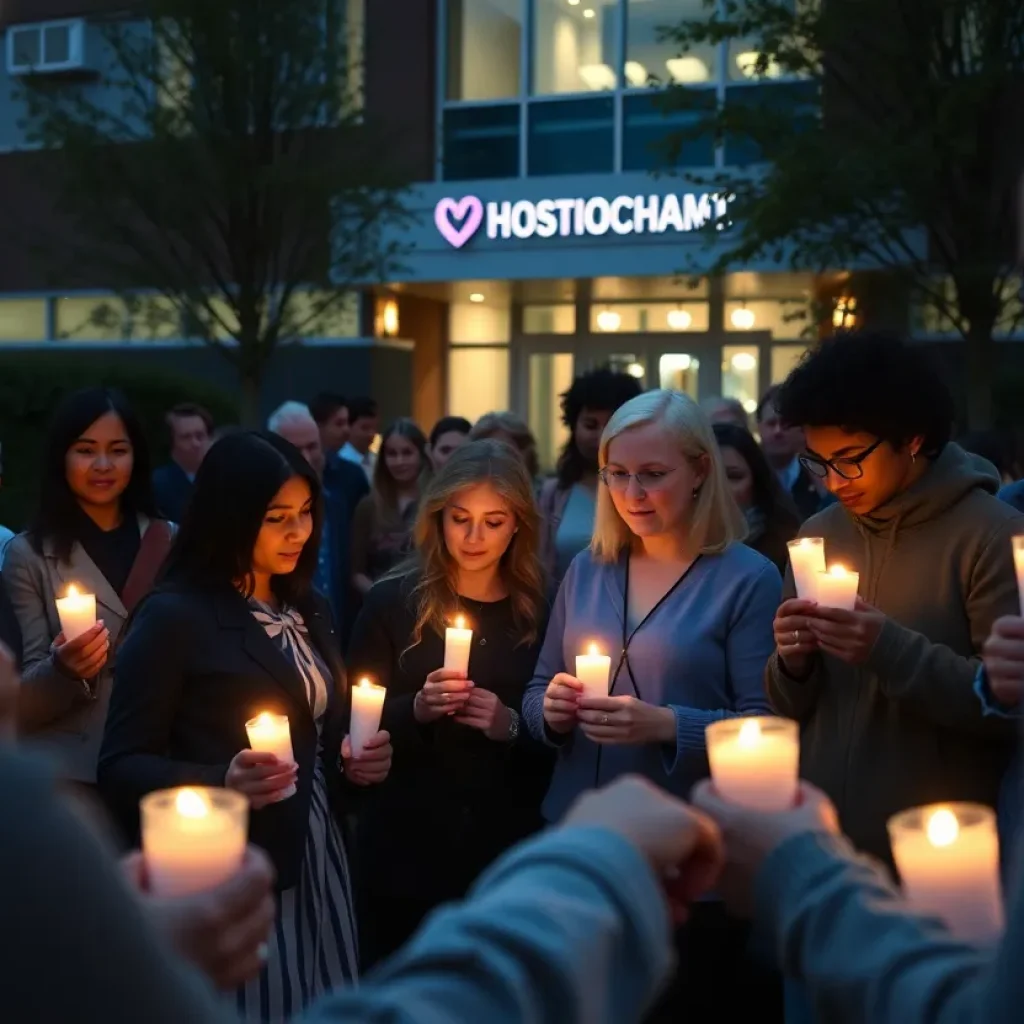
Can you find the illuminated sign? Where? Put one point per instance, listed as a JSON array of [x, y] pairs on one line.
[[458, 220]]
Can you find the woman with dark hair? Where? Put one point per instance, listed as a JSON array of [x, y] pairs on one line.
[[772, 519], [94, 528], [467, 776], [886, 693], [449, 433], [567, 502], [382, 522], [234, 630]]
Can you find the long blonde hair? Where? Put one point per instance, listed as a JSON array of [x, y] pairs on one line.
[[716, 521], [497, 465]]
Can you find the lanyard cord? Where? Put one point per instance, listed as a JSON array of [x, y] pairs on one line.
[[627, 639]]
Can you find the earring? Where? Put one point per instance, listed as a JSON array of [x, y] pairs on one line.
[[696, 492], [913, 456]]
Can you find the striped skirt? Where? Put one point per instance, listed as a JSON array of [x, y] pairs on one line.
[[313, 947]]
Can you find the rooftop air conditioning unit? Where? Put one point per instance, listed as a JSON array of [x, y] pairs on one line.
[[47, 48]]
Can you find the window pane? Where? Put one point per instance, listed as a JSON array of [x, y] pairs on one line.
[[739, 374], [653, 59], [571, 137], [679, 287], [484, 40], [96, 318], [639, 317], [678, 371], [312, 315], [574, 46], [784, 359], [654, 135], [22, 320], [477, 381], [559, 319], [550, 376], [798, 101], [785, 319], [481, 142], [480, 313]]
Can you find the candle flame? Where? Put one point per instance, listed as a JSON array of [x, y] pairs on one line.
[[838, 571], [942, 827], [263, 719], [460, 622], [72, 590], [191, 804], [364, 683], [750, 733], [593, 651]]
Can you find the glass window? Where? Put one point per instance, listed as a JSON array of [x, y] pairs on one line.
[[656, 137], [571, 137], [477, 381], [784, 360], [339, 320], [480, 313], [95, 318], [798, 101], [679, 287], [550, 376], [575, 46], [22, 319], [556, 319], [678, 371], [785, 319], [481, 142], [641, 317], [653, 59], [484, 41], [739, 374]]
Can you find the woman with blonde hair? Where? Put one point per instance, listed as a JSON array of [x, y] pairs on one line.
[[382, 522], [467, 780], [685, 610], [515, 432]]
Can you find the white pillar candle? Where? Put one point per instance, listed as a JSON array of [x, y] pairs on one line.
[[594, 670], [77, 613], [457, 643], [1018, 564], [755, 761], [192, 838], [947, 856], [837, 588], [271, 734], [367, 704], [807, 558]]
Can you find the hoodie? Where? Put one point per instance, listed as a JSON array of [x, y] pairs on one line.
[[905, 728]]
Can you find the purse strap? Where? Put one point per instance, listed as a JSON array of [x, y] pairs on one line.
[[153, 549]]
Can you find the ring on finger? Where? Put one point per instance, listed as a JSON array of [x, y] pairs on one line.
[[604, 719]]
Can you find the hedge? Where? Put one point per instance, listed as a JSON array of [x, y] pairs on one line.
[[31, 385]]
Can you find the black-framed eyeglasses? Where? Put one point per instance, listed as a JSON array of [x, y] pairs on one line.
[[648, 479], [849, 468]]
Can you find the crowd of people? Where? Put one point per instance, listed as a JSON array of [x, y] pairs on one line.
[[266, 569]]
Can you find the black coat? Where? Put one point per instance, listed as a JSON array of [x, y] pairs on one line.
[[172, 491], [193, 668]]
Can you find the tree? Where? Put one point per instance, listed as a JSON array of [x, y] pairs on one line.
[[220, 171], [896, 143]]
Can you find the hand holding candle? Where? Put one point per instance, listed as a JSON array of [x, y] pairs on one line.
[[594, 670], [192, 838], [458, 641], [947, 856], [271, 734], [77, 613], [1018, 565], [755, 761], [807, 559], [367, 705]]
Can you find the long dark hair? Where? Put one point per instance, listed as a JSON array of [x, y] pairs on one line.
[[385, 490], [58, 514], [236, 482], [768, 494]]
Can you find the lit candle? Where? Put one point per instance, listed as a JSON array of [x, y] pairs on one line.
[[271, 734], [192, 838], [367, 704], [755, 761], [77, 613], [593, 670], [947, 856], [457, 643], [807, 557], [837, 588], [1018, 564]]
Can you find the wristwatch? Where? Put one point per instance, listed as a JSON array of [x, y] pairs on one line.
[[513, 725]]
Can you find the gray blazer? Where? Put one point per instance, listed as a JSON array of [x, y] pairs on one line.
[[64, 715]]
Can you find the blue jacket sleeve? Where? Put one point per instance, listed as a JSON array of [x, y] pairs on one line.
[[749, 643], [570, 928], [550, 662], [836, 923]]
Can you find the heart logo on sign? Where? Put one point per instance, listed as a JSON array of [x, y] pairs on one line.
[[458, 219]]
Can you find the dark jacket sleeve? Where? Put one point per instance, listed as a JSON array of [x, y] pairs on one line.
[[151, 668]]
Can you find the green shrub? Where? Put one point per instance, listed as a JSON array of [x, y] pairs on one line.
[[31, 385]]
